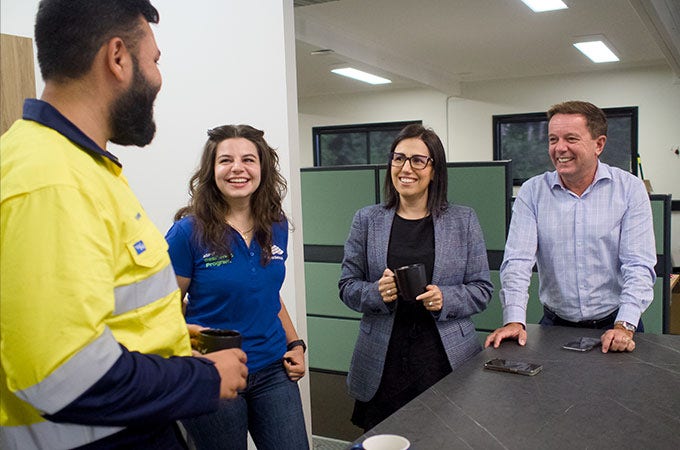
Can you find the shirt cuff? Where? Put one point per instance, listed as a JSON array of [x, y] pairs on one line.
[[629, 313], [513, 313]]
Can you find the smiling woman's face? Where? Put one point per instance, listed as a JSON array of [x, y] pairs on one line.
[[237, 168], [412, 184]]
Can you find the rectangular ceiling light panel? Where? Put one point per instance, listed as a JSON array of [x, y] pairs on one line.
[[545, 5], [361, 76], [597, 51]]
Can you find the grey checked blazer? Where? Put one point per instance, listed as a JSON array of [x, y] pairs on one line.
[[461, 271]]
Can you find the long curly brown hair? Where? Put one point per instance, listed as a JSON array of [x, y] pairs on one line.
[[209, 208]]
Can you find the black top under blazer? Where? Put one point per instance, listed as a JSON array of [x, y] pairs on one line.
[[461, 271]]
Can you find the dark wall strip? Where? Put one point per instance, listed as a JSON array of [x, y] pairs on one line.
[[326, 316], [495, 259], [324, 253], [660, 267], [331, 372], [334, 254]]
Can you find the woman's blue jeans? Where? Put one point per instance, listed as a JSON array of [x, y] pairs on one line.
[[270, 408]]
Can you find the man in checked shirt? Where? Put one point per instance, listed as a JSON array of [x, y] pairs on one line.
[[588, 228]]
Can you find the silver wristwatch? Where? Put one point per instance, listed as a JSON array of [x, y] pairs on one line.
[[626, 325]]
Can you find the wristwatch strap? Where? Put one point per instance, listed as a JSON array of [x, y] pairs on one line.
[[626, 325], [292, 344]]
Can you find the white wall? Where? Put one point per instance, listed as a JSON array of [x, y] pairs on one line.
[[654, 90], [426, 105], [651, 89], [222, 62], [467, 126]]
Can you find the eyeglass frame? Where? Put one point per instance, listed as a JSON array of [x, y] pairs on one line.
[[428, 159]]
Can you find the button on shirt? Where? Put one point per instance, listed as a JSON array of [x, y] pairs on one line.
[[594, 253]]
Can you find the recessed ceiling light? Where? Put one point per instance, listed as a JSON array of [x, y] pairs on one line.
[[545, 5], [596, 50], [360, 75], [323, 51]]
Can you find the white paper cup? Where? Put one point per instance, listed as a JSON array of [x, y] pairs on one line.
[[386, 442]]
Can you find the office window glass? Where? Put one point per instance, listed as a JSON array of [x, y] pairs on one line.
[[362, 144], [380, 143], [340, 149], [523, 138]]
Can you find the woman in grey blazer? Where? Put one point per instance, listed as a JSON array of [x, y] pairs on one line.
[[407, 345]]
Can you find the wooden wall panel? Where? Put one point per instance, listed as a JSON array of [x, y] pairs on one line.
[[17, 77]]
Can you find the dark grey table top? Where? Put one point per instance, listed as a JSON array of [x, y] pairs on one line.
[[587, 400]]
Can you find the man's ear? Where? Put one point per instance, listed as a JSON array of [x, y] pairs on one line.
[[599, 142], [118, 59]]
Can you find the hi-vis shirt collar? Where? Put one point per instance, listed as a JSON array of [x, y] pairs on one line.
[[46, 114]]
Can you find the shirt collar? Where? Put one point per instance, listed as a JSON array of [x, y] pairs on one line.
[[46, 114], [603, 172]]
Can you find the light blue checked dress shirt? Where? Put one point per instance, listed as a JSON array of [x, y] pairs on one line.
[[594, 253]]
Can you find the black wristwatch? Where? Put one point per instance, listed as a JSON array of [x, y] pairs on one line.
[[292, 344]]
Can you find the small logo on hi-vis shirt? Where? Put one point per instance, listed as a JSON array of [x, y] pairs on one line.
[[140, 247], [277, 253]]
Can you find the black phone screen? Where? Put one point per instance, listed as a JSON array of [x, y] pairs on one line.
[[520, 367], [582, 344]]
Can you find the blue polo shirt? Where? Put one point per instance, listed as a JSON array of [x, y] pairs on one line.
[[235, 291]]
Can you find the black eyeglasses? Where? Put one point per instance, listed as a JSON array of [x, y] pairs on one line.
[[418, 162]]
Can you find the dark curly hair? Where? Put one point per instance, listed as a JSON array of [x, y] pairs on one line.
[[209, 208]]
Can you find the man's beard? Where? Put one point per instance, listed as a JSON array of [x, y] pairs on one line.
[[132, 113]]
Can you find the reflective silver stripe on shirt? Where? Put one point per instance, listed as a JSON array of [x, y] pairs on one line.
[[75, 376], [146, 291], [50, 435]]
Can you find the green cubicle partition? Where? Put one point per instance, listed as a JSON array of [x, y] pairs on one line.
[[657, 317], [491, 203], [331, 196]]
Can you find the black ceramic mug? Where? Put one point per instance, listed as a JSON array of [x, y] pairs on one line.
[[411, 280], [211, 340]]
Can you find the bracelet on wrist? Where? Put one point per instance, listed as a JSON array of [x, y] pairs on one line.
[[620, 324], [297, 343]]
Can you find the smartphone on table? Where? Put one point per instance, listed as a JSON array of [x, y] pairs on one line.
[[519, 367], [582, 344]]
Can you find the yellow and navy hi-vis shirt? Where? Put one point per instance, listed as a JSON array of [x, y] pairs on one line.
[[90, 311]]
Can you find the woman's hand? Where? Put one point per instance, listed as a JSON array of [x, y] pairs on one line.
[[194, 330], [387, 286], [432, 298], [294, 363]]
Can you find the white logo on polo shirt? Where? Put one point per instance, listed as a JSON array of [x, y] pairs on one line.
[[277, 253]]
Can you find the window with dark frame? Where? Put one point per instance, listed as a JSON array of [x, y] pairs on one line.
[[345, 145], [523, 138]]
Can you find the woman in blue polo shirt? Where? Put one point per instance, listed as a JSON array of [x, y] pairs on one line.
[[228, 248]]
